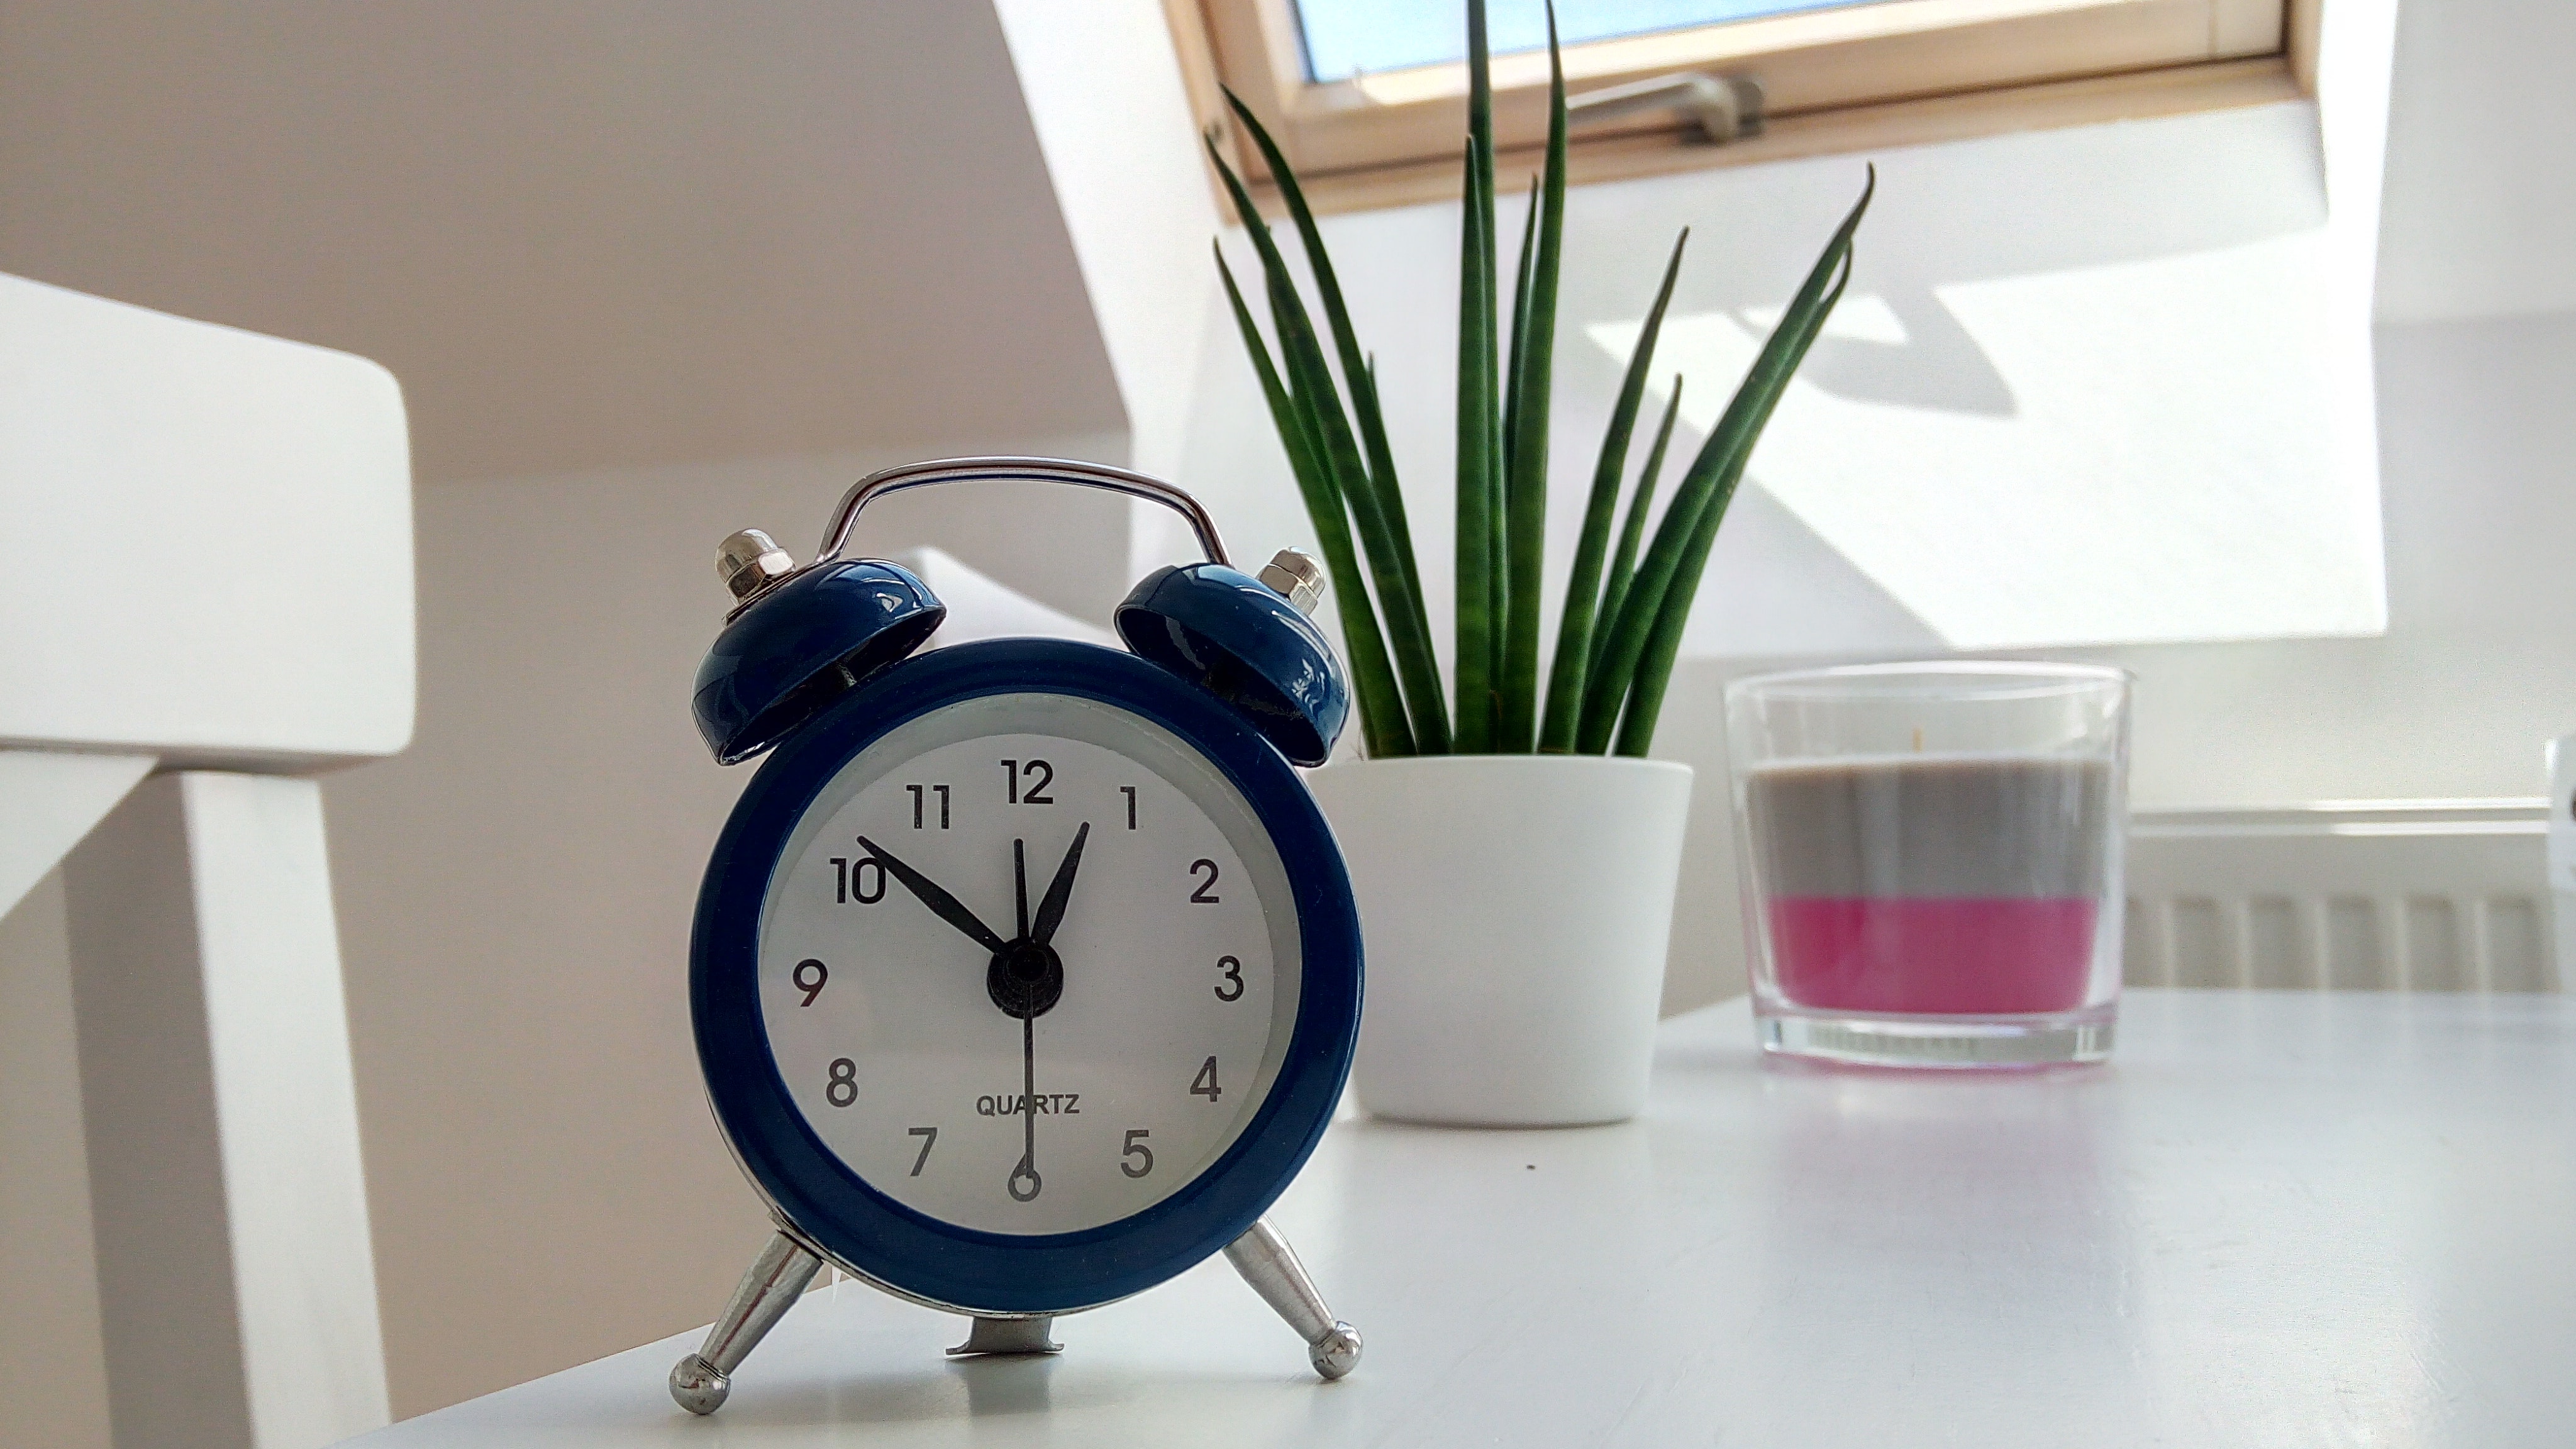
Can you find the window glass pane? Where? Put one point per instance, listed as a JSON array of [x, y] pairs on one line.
[[1349, 37]]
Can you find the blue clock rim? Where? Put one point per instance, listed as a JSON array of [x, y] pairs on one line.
[[963, 1267]]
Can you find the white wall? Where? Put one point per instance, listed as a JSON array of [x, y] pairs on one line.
[[2108, 383], [2286, 432], [2138, 410], [1103, 89], [2474, 672], [2104, 383], [2476, 355], [2475, 669], [583, 233], [2481, 214]]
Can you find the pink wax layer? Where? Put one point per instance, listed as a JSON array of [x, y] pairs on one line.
[[1951, 956]]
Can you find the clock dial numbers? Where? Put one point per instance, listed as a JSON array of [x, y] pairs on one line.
[[862, 882], [1061, 1014], [1030, 781], [929, 802], [809, 977]]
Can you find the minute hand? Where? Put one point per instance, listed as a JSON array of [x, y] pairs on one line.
[[947, 907], [1060, 890]]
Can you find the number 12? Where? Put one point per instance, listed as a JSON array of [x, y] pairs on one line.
[[1030, 781]]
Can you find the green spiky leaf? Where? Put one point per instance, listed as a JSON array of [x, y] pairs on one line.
[[1623, 560], [1601, 509], [1633, 679], [1525, 495]]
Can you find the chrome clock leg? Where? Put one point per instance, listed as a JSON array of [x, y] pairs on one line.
[[1008, 1335], [775, 1280], [1267, 1263]]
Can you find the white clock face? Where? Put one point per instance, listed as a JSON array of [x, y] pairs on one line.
[[1036, 1073]]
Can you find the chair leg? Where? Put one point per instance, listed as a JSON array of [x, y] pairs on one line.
[[234, 1259]]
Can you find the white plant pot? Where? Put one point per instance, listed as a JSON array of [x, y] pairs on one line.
[[1515, 911]]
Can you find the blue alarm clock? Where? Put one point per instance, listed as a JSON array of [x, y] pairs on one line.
[[1026, 973]]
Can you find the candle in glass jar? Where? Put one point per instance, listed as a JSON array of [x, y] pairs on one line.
[[1950, 885]]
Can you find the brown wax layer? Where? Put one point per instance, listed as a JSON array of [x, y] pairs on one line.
[[1932, 827]]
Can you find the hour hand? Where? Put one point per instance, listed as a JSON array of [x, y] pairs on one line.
[[947, 907]]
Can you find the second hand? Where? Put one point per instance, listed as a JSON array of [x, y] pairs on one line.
[[1028, 1167]]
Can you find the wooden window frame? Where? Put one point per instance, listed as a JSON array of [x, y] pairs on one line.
[[1896, 73]]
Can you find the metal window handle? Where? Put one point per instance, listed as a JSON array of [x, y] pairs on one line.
[[1017, 470], [1721, 108]]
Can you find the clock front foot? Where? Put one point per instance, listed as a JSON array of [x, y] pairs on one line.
[[776, 1279], [1008, 1335], [1267, 1263]]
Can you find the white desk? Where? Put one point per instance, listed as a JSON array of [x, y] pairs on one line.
[[2274, 1219]]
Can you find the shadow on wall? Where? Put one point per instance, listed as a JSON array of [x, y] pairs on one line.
[[2084, 382], [2089, 386], [1907, 348]]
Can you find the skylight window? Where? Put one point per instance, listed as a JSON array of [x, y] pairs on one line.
[[1347, 38], [1367, 97]]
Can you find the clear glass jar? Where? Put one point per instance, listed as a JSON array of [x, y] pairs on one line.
[[1931, 860]]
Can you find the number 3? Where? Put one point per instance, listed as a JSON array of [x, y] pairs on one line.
[[1233, 971]]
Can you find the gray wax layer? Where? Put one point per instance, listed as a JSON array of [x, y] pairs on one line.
[[1998, 827]]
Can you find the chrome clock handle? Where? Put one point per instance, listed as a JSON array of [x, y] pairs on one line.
[[1018, 470]]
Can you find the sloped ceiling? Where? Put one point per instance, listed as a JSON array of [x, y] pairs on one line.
[[583, 234]]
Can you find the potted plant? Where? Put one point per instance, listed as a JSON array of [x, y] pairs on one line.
[[1513, 849]]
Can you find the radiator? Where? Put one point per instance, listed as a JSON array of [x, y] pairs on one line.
[[2416, 895]]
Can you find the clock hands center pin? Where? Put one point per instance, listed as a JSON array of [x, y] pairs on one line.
[[1026, 978]]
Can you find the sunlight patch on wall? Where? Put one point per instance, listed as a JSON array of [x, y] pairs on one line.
[[2078, 456]]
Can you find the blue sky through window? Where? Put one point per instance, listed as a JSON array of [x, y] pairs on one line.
[[1348, 37]]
